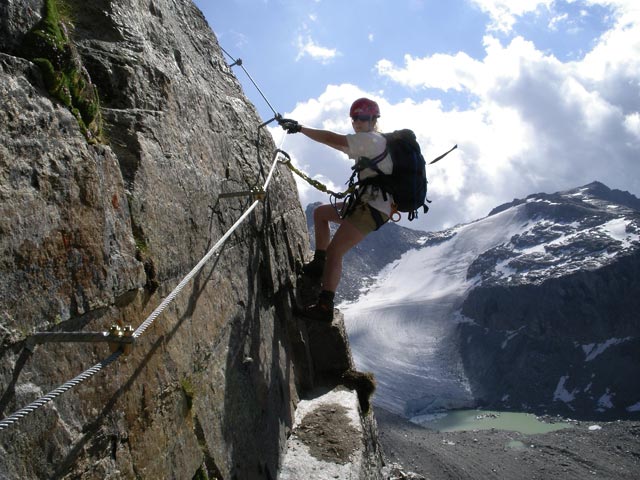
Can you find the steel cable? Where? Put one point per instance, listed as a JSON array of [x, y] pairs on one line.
[[75, 336], [10, 420], [32, 407], [160, 308]]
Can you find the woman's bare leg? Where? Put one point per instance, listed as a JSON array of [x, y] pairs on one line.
[[322, 215], [345, 238]]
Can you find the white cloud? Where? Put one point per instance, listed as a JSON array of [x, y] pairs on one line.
[[614, 63], [308, 47], [558, 19], [440, 71], [504, 13], [538, 123], [632, 124], [535, 124], [627, 10]]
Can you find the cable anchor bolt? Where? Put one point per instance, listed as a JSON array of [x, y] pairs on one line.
[[127, 333], [115, 334], [258, 193]]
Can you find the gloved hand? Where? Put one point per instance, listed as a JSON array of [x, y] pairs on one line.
[[291, 126]]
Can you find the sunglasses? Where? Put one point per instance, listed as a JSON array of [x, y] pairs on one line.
[[363, 118]]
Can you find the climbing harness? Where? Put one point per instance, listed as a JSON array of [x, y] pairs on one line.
[[351, 195]]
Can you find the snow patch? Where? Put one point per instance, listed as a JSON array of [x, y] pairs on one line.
[[438, 271], [458, 318], [562, 394], [634, 408], [592, 350], [511, 334], [605, 402], [542, 200], [504, 270], [617, 229]]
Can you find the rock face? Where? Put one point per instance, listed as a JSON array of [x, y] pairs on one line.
[[95, 235], [326, 442], [555, 313]]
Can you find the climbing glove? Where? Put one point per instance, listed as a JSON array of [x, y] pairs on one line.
[[291, 126]]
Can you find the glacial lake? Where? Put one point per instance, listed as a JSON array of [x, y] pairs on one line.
[[463, 420]]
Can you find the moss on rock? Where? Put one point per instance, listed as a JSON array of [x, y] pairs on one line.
[[48, 45]]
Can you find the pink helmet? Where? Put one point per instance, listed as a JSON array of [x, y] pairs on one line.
[[364, 106]]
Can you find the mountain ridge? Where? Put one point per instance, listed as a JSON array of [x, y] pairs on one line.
[[523, 292], [621, 197]]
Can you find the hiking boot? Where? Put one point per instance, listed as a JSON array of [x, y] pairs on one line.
[[321, 311], [313, 269]]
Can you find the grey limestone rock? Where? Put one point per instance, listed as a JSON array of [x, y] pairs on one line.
[[93, 235]]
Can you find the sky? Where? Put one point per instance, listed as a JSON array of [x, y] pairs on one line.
[[539, 95]]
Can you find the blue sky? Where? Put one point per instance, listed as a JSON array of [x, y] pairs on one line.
[[540, 95]]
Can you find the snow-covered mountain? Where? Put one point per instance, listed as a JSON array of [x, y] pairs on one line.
[[535, 307]]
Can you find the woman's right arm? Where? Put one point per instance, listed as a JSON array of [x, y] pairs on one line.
[[332, 139]]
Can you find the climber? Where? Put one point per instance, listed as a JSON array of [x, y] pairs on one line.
[[371, 210]]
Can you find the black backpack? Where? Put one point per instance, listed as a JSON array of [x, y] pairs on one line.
[[407, 182]]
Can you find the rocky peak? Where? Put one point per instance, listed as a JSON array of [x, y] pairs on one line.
[[553, 312], [579, 229], [592, 192], [532, 308]]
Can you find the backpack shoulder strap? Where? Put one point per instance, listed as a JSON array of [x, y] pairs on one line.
[[372, 163]]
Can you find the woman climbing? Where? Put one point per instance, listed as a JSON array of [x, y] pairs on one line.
[[371, 210]]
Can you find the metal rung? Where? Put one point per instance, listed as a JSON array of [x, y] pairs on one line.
[[117, 338]]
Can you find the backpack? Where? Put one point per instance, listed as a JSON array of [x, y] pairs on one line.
[[407, 182]]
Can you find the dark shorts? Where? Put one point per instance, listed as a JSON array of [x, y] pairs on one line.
[[366, 218]]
